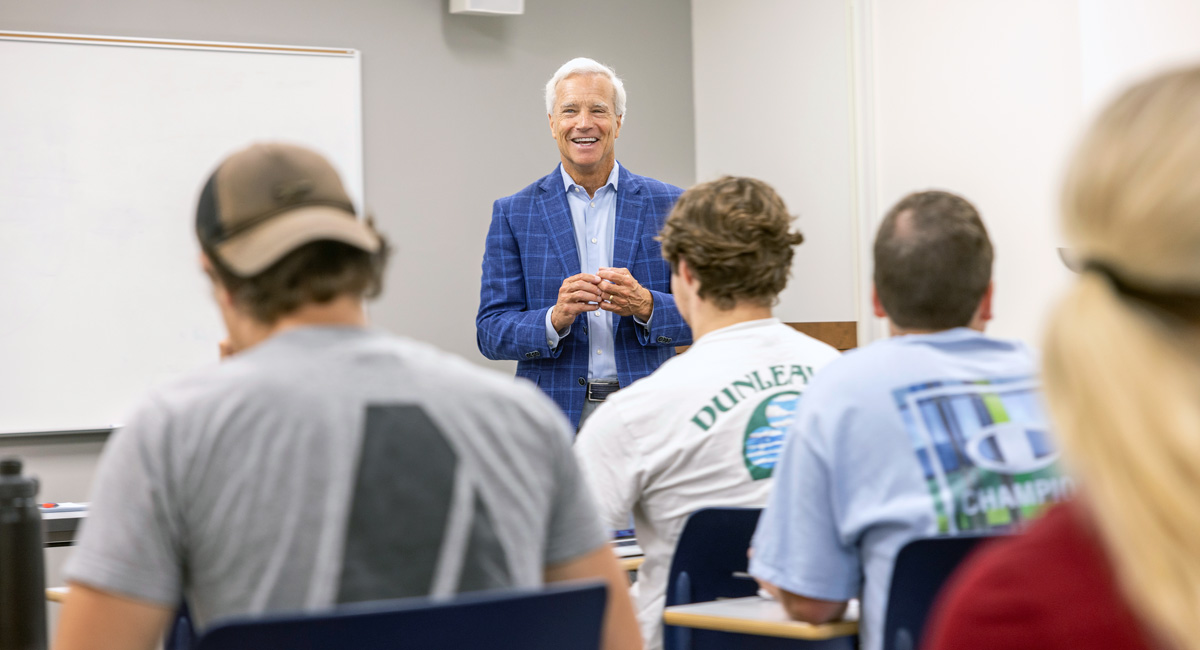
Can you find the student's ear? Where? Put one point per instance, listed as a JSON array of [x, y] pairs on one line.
[[687, 275], [878, 306], [985, 305]]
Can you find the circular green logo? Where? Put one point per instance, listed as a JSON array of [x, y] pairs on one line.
[[766, 432]]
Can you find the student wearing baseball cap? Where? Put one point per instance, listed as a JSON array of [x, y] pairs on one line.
[[325, 462]]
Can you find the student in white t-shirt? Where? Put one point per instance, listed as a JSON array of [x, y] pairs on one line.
[[706, 428]]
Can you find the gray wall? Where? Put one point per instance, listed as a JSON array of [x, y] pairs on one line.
[[453, 111]]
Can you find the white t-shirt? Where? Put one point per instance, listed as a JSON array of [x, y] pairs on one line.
[[704, 430]]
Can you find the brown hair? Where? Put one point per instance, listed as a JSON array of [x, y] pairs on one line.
[[316, 272], [933, 261], [733, 233]]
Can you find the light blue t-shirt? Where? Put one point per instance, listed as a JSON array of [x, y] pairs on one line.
[[912, 436]]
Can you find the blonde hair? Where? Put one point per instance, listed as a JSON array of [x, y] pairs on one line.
[[1122, 363]]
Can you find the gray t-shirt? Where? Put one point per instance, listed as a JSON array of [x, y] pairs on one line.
[[330, 465]]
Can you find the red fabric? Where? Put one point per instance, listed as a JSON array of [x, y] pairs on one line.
[[1048, 588]]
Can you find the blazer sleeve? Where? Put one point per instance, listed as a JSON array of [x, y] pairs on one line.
[[667, 328], [666, 324], [505, 328]]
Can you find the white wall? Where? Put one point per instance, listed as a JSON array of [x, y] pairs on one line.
[[982, 99], [773, 101], [1125, 40], [988, 99], [847, 105]]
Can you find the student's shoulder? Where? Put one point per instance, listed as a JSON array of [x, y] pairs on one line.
[[649, 406], [454, 382], [648, 394], [819, 351], [858, 365], [205, 385], [440, 369]]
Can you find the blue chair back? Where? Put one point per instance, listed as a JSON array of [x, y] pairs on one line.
[[921, 569], [560, 617], [710, 562], [181, 635], [710, 557]]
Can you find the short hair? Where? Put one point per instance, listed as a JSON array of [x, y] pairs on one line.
[[316, 272], [734, 234], [584, 65], [933, 261]]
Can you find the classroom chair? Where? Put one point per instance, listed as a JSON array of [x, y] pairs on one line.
[[922, 567], [559, 617], [181, 635], [710, 562]]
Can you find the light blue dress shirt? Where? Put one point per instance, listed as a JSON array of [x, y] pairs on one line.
[[594, 220]]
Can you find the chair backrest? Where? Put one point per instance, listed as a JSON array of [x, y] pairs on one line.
[[559, 617], [710, 562], [922, 567], [710, 557]]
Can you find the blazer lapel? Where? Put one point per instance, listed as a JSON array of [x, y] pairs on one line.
[[557, 216], [628, 227]]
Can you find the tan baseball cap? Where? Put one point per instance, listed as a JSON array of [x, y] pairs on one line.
[[269, 199]]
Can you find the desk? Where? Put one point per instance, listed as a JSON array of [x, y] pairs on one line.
[[60, 528], [57, 594], [631, 563], [753, 615]]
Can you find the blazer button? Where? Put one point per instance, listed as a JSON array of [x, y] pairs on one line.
[[535, 354], [581, 381], [664, 339]]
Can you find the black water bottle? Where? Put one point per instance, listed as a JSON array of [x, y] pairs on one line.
[[22, 574]]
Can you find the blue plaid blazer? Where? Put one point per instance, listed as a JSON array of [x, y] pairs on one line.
[[531, 250]]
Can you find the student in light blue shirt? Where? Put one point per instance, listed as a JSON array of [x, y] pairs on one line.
[[937, 430]]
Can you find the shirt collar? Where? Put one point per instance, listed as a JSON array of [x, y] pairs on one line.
[[569, 183]]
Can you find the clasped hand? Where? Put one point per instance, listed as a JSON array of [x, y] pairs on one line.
[[612, 289]]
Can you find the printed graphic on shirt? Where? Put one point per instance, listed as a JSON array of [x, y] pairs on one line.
[[766, 431], [399, 535], [748, 387], [985, 451]]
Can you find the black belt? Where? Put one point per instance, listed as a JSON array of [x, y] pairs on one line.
[[599, 390]]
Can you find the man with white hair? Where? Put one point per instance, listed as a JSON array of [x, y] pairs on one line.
[[575, 287]]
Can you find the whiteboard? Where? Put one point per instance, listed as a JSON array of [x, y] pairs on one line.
[[105, 144]]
